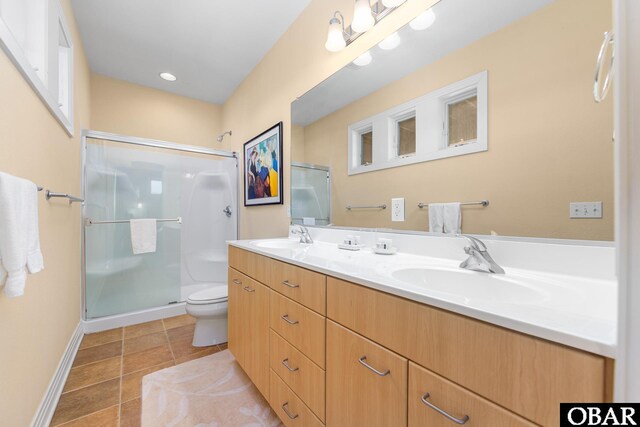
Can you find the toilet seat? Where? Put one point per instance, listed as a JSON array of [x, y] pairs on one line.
[[213, 295]]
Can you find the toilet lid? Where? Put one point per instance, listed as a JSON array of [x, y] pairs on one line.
[[209, 295]]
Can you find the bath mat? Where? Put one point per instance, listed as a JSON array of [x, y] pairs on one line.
[[206, 392]]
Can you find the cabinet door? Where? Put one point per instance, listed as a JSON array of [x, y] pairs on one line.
[[254, 302], [235, 319], [366, 383]]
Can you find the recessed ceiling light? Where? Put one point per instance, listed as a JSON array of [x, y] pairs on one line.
[[168, 77], [390, 42], [364, 59]]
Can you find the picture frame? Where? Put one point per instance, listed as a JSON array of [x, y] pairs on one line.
[[263, 169]]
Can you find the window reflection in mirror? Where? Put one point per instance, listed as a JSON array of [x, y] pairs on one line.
[[406, 136], [462, 120], [366, 147]]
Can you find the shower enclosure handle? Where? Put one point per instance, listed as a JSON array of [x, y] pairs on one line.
[[227, 211]]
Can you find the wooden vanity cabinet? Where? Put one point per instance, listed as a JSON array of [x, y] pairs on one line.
[[248, 327]]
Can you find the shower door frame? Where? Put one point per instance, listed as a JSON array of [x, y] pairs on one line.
[[146, 142], [311, 166]]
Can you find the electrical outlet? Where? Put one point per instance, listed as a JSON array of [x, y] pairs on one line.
[[397, 209], [585, 210]]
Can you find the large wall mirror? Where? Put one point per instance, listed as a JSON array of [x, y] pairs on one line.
[[492, 101]]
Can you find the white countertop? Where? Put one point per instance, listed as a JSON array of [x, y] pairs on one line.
[[573, 310]]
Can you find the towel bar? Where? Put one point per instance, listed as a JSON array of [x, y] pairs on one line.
[[481, 202], [89, 221]]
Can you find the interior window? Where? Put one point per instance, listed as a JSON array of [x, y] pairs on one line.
[[64, 71], [406, 136], [462, 120], [366, 147]]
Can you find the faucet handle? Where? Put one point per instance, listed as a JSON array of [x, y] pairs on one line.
[[474, 242]]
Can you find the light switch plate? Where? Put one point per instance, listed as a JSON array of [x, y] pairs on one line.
[[585, 210], [397, 209]]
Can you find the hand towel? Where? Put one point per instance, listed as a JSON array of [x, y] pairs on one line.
[[143, 235], [452, 218], [436, 217], [19, 236]]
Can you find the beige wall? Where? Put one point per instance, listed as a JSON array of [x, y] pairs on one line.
[[294, 65], [37, 326], [549, 143], [129, 109]]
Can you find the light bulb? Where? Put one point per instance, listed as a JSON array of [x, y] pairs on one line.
[[335, 37], [168, 77], [423, 21], [392, 3], [390, 42], [364, 59], [363, 19]]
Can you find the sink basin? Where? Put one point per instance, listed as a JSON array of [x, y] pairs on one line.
[[278, 244], [469, 286]]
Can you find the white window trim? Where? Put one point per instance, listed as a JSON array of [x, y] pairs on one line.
[[355, 149], [394, 135], [430, 140], [19, 59]]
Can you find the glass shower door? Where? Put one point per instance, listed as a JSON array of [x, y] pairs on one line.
[[124, 182], [310, 194]]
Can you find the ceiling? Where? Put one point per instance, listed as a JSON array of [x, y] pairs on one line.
[[458, 23], [210, 45]]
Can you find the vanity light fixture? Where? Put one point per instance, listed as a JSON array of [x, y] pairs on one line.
[[365, 16], [168, 77], [364, 59], [423, 21], [391, 42], [363, 19]]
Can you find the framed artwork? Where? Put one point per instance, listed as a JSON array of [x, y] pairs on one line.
[[263, 168]]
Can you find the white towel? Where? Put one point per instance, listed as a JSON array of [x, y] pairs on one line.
[[452, 218], [143, 235], [19, 235], [436, 217]]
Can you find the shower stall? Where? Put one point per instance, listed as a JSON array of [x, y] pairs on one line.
[[192, 193]]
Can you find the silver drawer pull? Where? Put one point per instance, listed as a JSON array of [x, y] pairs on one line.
[[286, 365], [382, 374], [285, 405], [248, 289], [289, 321], [237, 282], [440, 411], [289, 284]]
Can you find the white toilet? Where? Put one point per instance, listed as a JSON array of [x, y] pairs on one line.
[[209, 307]]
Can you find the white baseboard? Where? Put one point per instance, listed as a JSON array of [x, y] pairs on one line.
[[47, 407]]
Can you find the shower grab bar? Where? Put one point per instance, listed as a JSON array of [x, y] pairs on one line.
[[481, 202], [367, 207], [89, 221]]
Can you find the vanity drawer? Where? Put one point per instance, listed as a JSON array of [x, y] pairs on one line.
[[366, 383], [289, 408], [526, 375], [303, 376], [455, 401], [304, 286], [253, 265], [300, 326]]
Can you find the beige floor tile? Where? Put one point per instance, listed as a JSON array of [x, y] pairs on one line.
[[145, 342], [146, 359], [93, 373], [175, 322], [143, 329], [105, 418], [130, 413], [132, 383], [181, 333], [99, 338], [97, 353], [87, 400]]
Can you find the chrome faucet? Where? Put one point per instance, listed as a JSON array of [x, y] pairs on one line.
[[305, 237], [479, 259]]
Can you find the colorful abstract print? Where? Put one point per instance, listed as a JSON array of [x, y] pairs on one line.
[[263, 169]]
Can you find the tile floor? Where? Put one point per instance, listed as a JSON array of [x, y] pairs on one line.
[[104, 385]]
